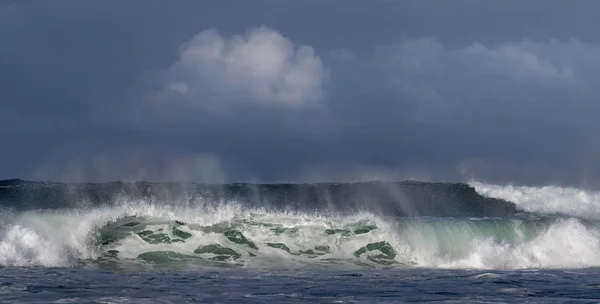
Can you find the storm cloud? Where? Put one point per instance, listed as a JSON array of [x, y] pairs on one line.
[[218, 91]]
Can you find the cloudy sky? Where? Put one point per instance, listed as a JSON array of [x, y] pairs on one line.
[[221, 91]]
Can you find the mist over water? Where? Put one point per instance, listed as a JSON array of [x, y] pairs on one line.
[[337, 226]]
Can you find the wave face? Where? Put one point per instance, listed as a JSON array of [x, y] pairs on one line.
[[372, 225]]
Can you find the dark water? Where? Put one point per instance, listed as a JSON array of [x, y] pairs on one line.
[[369, 242], [409, 198], [75, 285]]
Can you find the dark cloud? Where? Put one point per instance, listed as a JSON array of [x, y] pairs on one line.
[[219, 91]]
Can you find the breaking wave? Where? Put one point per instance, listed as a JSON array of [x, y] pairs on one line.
[[548, 199], [137, 232]]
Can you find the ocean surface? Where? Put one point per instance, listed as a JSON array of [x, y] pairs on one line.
[[369, 242]]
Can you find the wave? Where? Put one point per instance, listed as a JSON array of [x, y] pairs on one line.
[[128, 228], [284, 240], [408, 198], [139, 235]]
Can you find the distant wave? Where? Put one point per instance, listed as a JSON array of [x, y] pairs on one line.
[[548, 199], [364, 225], [408, 198]]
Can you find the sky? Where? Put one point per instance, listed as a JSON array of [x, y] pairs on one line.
[[301, 91]]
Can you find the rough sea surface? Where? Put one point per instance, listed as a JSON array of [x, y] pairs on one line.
[[76, 285], [369, 242]]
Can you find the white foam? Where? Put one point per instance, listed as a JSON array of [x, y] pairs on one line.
[[566, 244], [60, 237], [548, 199]]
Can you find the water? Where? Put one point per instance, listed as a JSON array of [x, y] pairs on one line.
[[342, 243], [76, 285]]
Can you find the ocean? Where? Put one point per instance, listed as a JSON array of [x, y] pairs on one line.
[[367, 242]]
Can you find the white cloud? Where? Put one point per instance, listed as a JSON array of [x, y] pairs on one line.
[[261, 68]]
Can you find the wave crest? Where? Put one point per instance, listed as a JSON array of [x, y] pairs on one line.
[[147, 235], [548, 199]]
